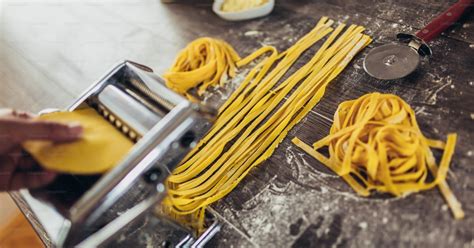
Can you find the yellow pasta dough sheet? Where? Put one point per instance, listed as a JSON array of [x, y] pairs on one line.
[[100, 148]]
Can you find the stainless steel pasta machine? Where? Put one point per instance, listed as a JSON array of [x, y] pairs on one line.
[[91, 211]]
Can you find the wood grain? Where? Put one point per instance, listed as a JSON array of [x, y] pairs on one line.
[[50, 51], [15, 230]]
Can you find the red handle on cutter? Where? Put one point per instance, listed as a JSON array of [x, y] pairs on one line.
[[443, 21]]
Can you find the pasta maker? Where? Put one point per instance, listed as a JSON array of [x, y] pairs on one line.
[[91, 211]]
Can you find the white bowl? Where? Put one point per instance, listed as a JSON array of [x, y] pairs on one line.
[[247, 14]]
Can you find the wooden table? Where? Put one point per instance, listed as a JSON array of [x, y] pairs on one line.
[[51, 50]]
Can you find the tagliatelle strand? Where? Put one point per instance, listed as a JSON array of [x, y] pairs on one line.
[[375, 143], [253, 103], [257, 118], [253, 98]]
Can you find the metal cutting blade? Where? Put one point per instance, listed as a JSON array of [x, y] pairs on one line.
[[391, 61]]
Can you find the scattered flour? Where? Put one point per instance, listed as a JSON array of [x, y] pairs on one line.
[[444, 208], [445, 83], [252, 33], [363, 225]]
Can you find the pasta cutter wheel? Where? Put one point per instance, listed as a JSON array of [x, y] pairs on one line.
[[393, 61]]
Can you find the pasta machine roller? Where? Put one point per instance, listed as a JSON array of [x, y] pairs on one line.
[[91, 211]]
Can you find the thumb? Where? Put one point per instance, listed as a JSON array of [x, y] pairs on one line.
[[21, 130]]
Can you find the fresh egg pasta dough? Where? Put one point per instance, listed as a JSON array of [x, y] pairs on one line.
[[257, 117], [100, 148], [375, 143]]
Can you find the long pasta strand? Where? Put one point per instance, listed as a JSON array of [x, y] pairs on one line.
[[375, 143], [257, 118]]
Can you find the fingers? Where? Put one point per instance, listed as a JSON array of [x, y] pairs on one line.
[[53, 131], [6, 112], [22, 172], [7, 167], [7, 117], [24, 161], [21, 130], [6, 145], [31, 180], [22, 114]]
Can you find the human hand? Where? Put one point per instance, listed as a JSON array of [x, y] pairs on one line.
[[18, 169]]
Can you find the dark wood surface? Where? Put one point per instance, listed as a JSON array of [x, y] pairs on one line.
[[50, 51]]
